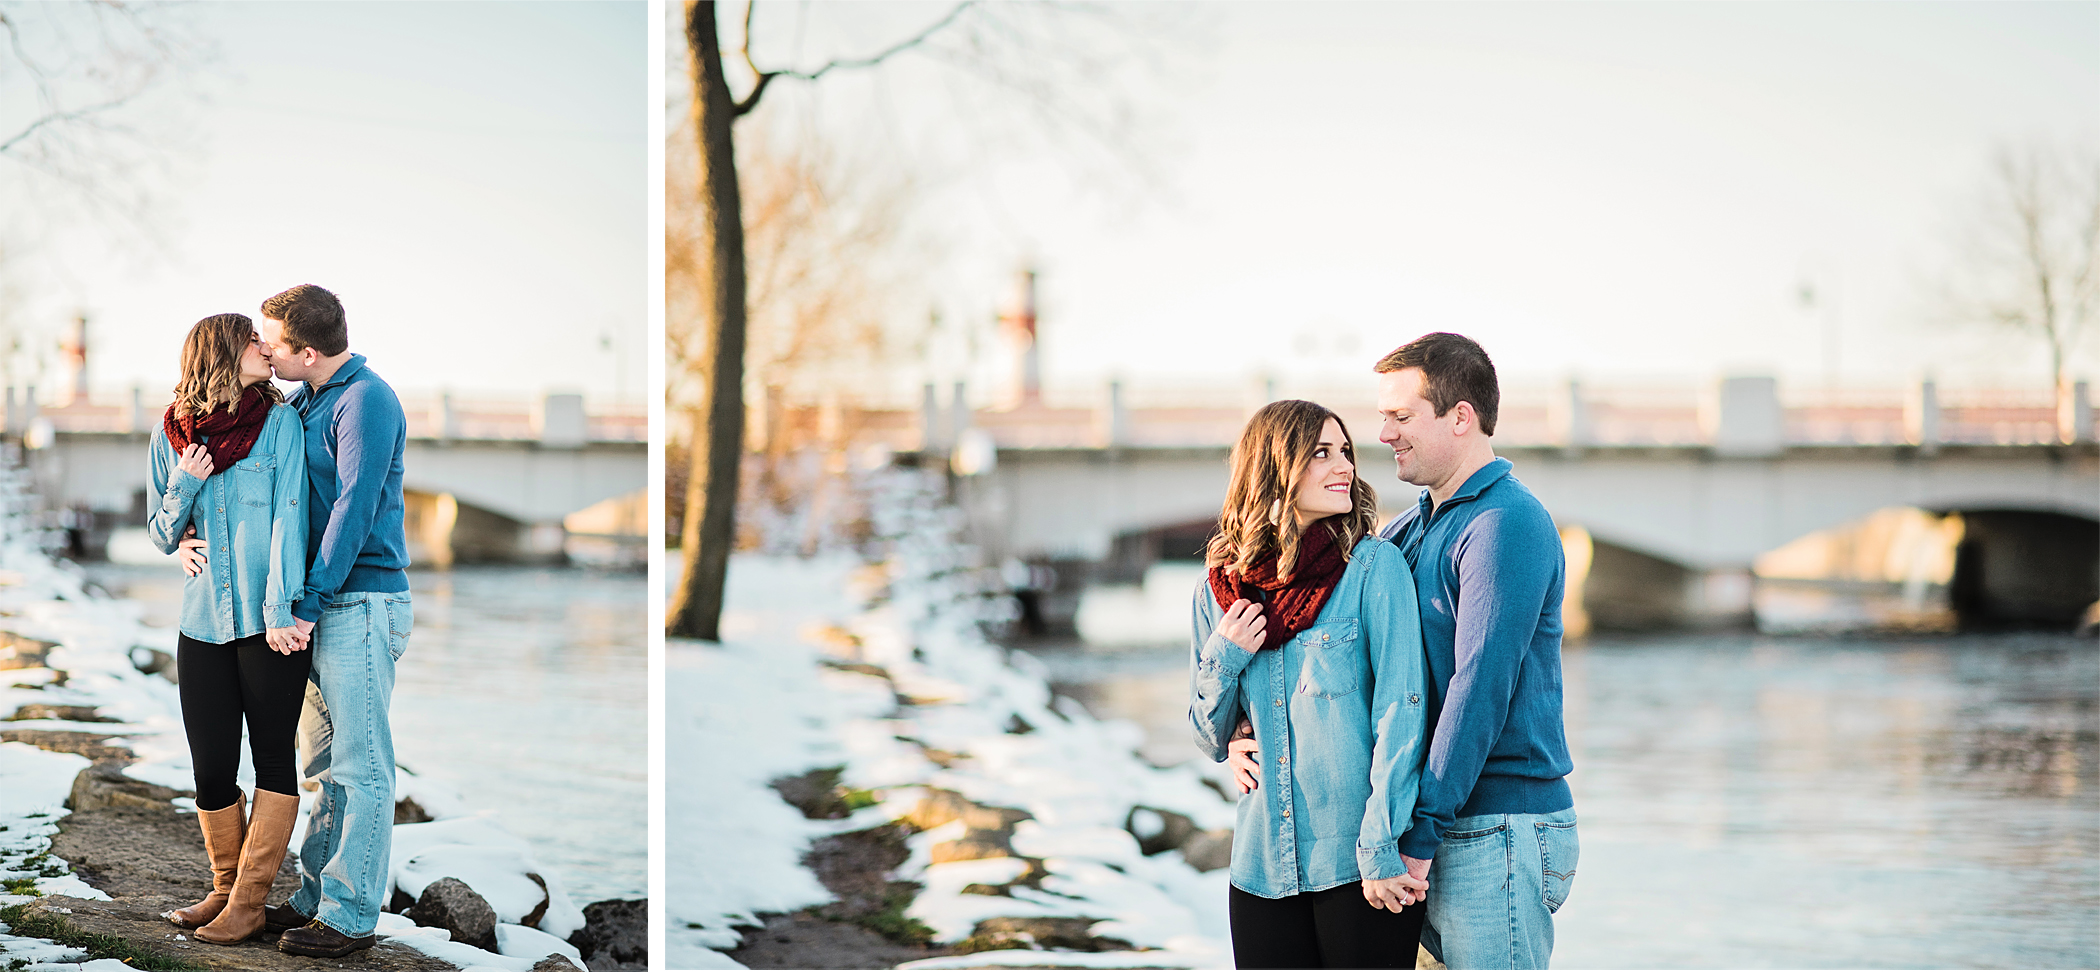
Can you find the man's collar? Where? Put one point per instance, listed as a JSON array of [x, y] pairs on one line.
[[342, 374], [1481, 479]]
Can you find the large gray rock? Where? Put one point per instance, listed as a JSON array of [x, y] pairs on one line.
[[1158, 831], [1209, 850], [105, 785], [615, 934], [450, 904]]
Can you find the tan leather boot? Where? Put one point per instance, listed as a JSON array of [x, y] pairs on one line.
[[224, 829], [269, 833]]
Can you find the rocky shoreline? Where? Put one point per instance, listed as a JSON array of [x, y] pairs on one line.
[[127, 839], [88, 720]]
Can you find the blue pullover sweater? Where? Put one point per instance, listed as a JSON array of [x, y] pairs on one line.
[[355, 434], [1488, 572]]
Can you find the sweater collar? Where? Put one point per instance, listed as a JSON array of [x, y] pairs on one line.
[[1475, 484]]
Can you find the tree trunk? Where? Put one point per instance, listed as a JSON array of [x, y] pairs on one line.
[[695, 610]]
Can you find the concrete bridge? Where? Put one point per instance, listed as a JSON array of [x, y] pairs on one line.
[[1673, 496], [485, 481]]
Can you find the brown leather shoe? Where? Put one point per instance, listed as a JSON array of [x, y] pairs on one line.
[[224, 829], [269, 833], [321, 941], [281, 917]]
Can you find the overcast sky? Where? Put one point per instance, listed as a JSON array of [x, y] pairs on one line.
[[1616, 191], [470, 179]]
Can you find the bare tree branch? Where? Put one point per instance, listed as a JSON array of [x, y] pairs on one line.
[[766, 77]]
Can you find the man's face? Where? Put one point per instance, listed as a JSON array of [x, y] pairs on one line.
[[289, 365], [1425, 447]]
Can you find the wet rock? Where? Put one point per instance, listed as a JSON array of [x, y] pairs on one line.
[[815, 793], [408, 811], [105, 785], [1069, 934], [136, 925], [449, 904], [67, 713], [1209, 850], [615, 935], [1158, 831], [153, 661], [17, 651], [93, 745], [553, 963]]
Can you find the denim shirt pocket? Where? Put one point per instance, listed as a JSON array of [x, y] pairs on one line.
[[254, 480], [1334, 662]]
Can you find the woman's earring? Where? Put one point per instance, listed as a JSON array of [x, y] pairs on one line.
[[1276, 513]]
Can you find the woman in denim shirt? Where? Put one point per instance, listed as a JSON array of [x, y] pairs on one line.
[[229, 462], [1306, 638]]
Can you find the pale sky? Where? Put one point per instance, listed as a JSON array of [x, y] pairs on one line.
[[469, 178], [1611, 191]]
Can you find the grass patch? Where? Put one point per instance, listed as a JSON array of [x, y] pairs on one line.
[[56, 928], [21, 886], [891, 922]]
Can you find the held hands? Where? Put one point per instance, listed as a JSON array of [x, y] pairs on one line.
[[195, 460], [1244, 625], [284, 641], [1399, 891], [1394, 893]]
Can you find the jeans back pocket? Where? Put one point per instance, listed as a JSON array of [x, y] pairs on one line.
[[1559, 849]]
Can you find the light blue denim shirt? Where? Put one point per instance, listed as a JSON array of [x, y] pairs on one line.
[[250, 516], [1339, 714]]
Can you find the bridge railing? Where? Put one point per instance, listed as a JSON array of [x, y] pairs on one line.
[[1532, 415], [430, 415]]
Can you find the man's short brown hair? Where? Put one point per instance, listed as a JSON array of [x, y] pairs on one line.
[[1454, 369], [312, 318]]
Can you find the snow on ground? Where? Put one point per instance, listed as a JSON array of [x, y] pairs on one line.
[[761, 706], [100, 645]]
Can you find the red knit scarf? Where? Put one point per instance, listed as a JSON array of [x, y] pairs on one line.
[[233, 432], [1290, 607]]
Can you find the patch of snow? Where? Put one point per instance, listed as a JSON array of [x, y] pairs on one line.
[[757, 708], [519, 941]]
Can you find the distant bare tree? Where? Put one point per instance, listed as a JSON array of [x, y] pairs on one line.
[[76, 133], [2033, 264], [1004, 44], [74, 69]]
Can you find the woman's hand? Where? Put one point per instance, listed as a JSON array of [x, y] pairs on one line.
[[1243, 624], [1394, 893], [1244, 756], [284, 641], [196, 460]]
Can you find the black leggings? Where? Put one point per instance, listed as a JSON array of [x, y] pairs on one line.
[[1331, 929], [222, 683]]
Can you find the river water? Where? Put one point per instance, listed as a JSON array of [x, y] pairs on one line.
[[1753, 801], [525, 689]]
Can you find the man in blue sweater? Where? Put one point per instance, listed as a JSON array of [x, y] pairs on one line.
[[356, 611], [1494, 824]]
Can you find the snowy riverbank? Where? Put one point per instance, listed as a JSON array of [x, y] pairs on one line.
[[80, 688], [1023, 806]]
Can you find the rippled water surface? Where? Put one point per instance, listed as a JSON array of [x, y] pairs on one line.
[[1773, 802], [525, 689]]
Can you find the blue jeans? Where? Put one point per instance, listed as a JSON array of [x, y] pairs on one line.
[[349, 747], [1494, 886]]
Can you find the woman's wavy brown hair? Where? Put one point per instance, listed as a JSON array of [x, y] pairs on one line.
[[211, 366], [1257, 520]]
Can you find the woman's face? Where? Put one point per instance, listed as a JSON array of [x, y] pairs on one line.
[[1323, 489], [254, 367]]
